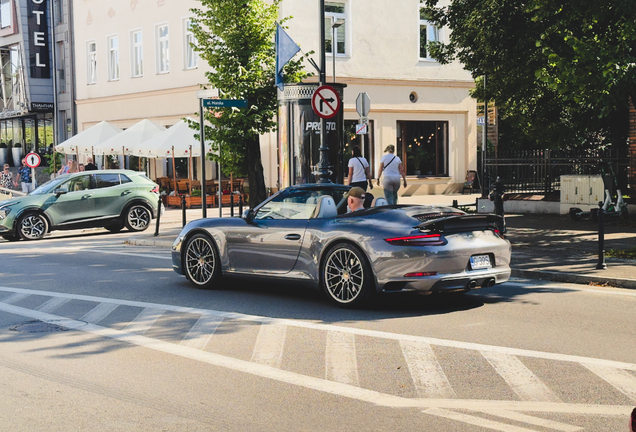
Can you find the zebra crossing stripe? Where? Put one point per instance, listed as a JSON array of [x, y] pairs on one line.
[[536, 421], [523, 382], [475, 421], [269, 346], [142, 322], [99, 312], [53, 304], [14, 298], [202, 331], [622, 380], [341, 364], [428, 376]]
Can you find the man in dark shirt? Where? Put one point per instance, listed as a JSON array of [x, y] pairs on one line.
[[90, 166]]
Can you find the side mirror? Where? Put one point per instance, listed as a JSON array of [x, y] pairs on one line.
[[248, 215], [60, 191]]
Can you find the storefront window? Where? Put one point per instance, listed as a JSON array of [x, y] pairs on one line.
[[423, 147]]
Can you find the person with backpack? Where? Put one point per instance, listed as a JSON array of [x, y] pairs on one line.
[[359, 172], [392, 168]]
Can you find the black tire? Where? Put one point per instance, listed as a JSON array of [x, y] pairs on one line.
[[575, 213], [32, 226], [346, 276], [138, 217], [11, 238], [201, 262]]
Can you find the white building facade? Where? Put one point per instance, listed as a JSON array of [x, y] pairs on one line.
[[133, 62]]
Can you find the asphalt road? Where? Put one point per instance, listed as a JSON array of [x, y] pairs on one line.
[[98, 335]]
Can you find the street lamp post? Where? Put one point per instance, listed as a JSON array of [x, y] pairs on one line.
[[334, 45]]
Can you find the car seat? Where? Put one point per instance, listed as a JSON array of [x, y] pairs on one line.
[[326, 208], [379, 202]]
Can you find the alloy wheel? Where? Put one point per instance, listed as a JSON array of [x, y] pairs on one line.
[[200, 261], [33, 226], [344, 275], [138, 218]]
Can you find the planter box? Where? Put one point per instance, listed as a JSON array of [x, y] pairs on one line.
[[175, 201]]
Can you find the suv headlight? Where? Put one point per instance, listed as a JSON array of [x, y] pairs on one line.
[[4, 212]]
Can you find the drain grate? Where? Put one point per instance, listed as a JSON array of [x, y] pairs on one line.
[[38, 327]]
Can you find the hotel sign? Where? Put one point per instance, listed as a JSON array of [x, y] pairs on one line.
[[39, 48]]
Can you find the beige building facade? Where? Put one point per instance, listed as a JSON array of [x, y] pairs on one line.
[[133, 63]]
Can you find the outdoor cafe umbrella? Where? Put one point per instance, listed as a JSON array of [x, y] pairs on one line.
[[126, 142], [84, 141]]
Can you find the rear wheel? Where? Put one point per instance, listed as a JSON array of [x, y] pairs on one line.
[[32, 226], [138, 218], [346, 276], [201, 263]]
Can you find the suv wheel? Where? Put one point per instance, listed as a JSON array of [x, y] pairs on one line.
[[138, 218], [32, 226]]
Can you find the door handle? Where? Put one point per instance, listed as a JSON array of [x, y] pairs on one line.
[[87, 196], [126, 192], [292, 237]]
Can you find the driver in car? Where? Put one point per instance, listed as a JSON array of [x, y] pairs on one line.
[[355, 199]]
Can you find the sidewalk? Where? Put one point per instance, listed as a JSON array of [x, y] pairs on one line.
[[549, 247]]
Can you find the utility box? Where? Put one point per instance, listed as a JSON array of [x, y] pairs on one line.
[[581, 190]]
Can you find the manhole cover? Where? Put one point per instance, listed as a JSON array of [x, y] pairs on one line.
[[38, 327]]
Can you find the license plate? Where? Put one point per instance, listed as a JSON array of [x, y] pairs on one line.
[[480, 262]]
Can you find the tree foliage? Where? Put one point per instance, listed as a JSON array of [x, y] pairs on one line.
[[236, 38], [559, 70]]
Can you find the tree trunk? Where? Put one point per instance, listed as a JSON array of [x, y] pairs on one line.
[[255, 175]]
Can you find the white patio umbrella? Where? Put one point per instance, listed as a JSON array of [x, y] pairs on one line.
[[83, 142], [126, 142], [180, 136]]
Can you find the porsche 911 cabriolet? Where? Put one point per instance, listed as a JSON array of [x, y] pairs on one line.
[[304, 234]]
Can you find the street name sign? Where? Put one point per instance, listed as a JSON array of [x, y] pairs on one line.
[[363, 104], [325, 102], [225, 103], [33, 160]]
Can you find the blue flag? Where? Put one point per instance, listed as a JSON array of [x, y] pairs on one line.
[[286, 49]]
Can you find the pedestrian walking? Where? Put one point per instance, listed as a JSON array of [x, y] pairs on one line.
[[24, 178], [6, 179], [359, 174], [90, 166], [392, 168], [497, 197]]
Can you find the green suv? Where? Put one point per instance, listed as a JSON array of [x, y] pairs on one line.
[[111, 199]]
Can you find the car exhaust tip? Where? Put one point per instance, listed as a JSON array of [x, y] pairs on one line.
[[491, 282], [472, 284]]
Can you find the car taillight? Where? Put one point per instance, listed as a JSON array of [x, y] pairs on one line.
[[420, 274], [498, 233], [418, 240], [155, 189]]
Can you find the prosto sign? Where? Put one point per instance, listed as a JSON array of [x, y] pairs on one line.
[[39, 48]]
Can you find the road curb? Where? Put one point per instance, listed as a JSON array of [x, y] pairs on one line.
[[574, 278], [159, 242]]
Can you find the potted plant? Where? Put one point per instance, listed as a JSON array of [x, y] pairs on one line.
[[418, 155], [17, 154], [4, 154]]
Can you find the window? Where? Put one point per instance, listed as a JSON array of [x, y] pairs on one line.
[[335, 13], [79, 183], [113, 58], [106, 180], [137, 53], [91, 60], [59, 11], [163, 49], [191, 56], [428, 33], [61, 68], [423, 147], [295, 204], [6, 15]]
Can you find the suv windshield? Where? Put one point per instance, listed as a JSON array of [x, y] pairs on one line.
[[49, 185]]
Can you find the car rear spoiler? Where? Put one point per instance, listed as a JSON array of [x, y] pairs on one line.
[[461, 223]]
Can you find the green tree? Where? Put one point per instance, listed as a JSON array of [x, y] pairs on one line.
[[560, 71], [236, 38]]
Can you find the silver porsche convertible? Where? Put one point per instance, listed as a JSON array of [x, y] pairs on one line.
[[304, 234]]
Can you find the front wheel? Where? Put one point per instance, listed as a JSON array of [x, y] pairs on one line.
[[201, 263], [32, 226], [346, 276], [138, 218]]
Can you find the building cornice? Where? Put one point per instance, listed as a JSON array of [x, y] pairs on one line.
[[136, 95], [401, 82]]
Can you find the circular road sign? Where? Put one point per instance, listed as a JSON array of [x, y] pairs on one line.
[[33, 160], [325, 102]]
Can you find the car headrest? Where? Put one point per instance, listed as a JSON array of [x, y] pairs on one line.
[[326, 208], [312, 200], [379, 202]]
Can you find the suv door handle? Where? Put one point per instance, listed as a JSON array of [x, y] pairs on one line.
[[87, 196], [292, 237], [126, 192]]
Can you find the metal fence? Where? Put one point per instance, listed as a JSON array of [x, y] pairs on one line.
[[539, 171]]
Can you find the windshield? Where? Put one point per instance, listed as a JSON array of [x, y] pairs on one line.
[[49, 185]]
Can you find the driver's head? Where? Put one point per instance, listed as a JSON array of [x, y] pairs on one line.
[[355, 198]]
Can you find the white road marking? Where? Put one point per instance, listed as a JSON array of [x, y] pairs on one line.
[[521, 379], [622, 380], [312, 383], [53, 304], [350, 330], [574, 287], [428, 376], [142, 322], [14, 298], [202, 331], [270, 342], [475, 421], [341, 364], [99, 312], [524, 418]]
